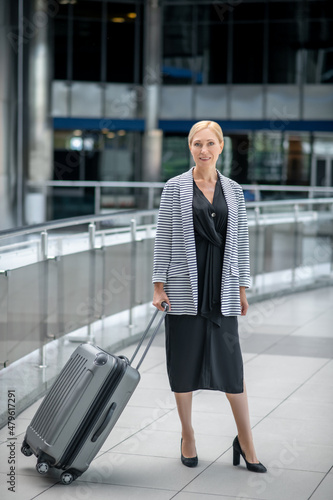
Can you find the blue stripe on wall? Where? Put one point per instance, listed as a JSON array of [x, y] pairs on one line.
[[64, 123], [246, 125]]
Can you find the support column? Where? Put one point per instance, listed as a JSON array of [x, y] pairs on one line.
[[8, 130], [26, 146], [153, 137], [39, 123]]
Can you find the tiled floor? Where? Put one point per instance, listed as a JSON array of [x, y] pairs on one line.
[[287, 348]]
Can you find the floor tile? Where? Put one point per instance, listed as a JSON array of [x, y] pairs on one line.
[[283, 366], [288, 454], [290, 393], [292, 429], [247, 356], [147, 472], [29, 413], [84, 490], [321, 326], [295, 407], [26, 487], [153, 398], [159, 368], [259, 342], [277, 387], [259, 407], [117, 436], [325, 489], [137, 417], [320, 347], [166, 444], [324, 375], [287, 310], [154, 381], [204, 422], [269, 329], [204, 496], [211, 401], [277, 484], [314, 391]]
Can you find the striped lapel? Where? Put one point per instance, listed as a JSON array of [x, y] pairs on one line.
[[231, 201], [186, 199]]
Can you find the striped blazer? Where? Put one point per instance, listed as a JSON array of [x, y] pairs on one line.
[[175, 261]]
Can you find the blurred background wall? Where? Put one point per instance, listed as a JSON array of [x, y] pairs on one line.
[[107, 91]]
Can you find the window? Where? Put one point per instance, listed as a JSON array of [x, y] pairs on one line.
[[194, 45], [122, 20], [248, 52], [60, 48], [86, 50], [87, 41], [212, 54], [176, 158], [318, 44], [284, 65], [252, 11], [301, 42], [178, 63]]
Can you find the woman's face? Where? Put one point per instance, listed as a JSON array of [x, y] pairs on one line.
[[205, 148]]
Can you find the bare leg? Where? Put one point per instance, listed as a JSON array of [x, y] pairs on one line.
[[184, 406], [240, 409]]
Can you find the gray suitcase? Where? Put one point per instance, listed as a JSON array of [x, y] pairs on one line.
[[82, 407]]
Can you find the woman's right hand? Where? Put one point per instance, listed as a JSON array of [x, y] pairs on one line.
[[160, 296]]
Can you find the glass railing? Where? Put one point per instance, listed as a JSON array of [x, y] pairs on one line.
[[114, 195], [89, 278]]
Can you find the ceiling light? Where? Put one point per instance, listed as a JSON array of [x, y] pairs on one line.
[[131, 15], [118, 19], [77, 133], [121, 132], [111, 135]]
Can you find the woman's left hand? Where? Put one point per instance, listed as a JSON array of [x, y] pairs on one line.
[[243, 301]]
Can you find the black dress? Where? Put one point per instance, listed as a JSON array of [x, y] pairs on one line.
[[203, 351]]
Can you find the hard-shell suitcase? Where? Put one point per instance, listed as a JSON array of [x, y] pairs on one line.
[[81, 408]]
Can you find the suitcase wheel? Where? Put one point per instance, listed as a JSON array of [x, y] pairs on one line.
[[67, 477], [26, 450], [42, 467]]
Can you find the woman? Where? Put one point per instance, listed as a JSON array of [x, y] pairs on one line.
[[201, 269]]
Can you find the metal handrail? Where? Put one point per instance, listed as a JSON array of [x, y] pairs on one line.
[[132, 184], [152, 186], [279, 187], [89, 219], [301, 201], [139, 184], [72, 221]]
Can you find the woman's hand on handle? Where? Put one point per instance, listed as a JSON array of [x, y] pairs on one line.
[[160, 296]]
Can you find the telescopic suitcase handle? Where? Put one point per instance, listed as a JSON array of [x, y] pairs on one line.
[[166, 308]]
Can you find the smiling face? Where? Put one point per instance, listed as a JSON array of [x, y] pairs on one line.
[[206, 148]]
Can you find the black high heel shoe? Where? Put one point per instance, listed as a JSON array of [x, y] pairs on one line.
[[250, 466], [189, 462]]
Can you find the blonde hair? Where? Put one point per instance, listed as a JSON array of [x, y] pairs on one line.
[[215, 127]]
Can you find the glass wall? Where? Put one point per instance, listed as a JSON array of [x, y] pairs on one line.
[[203, 42], [251, 42], [83, 155], [262, 157], [98, 41]]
